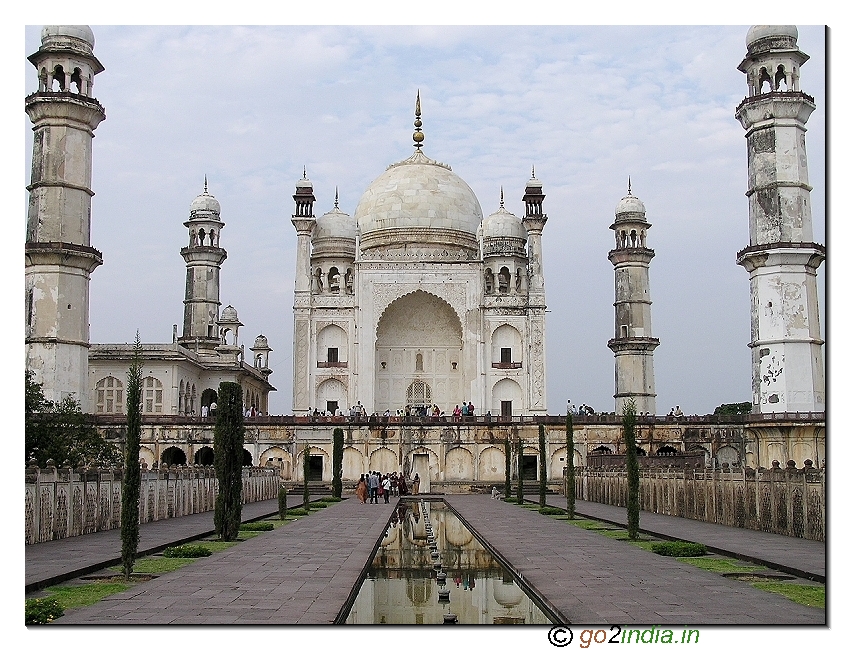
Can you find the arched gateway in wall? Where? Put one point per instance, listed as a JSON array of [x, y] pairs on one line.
[[419, 352]]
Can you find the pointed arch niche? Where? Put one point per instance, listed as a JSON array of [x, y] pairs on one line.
[[419, 338]]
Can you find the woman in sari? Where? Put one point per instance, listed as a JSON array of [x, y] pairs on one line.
[[360, 490]]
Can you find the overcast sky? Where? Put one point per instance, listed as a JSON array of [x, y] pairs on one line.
[[587, 106]]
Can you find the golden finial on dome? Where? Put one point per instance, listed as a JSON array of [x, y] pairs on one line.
[[418, 135], [501, 197], [336, 198], [630, 184], [205, 183]]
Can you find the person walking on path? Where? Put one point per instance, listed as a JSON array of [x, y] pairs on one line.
[[361, 489], [387, 485], [374, 481]]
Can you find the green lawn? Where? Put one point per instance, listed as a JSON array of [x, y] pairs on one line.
[[156, 565], [800, 593], [720, 564], [87, 594]]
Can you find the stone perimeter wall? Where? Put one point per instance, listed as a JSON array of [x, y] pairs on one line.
[[786, 501], [66, 502]]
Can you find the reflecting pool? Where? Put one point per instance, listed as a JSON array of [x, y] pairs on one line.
[[403, 586]]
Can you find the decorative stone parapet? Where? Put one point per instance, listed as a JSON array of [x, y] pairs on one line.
[[69, 502], [787, 501]]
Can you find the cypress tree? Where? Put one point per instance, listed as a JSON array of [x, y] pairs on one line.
[[507, 466], [227, 445], [131, 481], [544, 478], [337, 480], [519, 494], [633, 503], [281, 502], [571, 470], [306, 473]]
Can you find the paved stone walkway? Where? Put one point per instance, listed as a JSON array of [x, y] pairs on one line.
[[800, 557], [303, 573], [594, 579], [57, 561]]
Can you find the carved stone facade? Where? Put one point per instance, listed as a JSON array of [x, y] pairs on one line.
[[417, 300]]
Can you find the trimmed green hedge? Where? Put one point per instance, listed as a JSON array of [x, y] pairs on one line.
[[186, 552], [552, 511], [297, 511], [331, 499], [43, 611], [509, 499], [256, 527], [679, 549]]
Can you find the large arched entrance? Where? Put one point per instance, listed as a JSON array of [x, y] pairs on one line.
[[419, 354]]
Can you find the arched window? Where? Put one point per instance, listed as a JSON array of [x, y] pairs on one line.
[[58, 78], [76, 80], [202, 235], [764, 78], [109, 395], [779, 81], [333, 280], [504, 280], [153, 395], [418, 394], [180, 399], [488, 281]]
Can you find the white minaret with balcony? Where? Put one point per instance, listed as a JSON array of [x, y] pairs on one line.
[[782, 259], [59, 258], [633, 344]]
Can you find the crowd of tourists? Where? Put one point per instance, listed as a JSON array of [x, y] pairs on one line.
[[376, 486]]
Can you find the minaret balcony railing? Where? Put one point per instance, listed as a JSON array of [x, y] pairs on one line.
[[775, 94], [779, 245]]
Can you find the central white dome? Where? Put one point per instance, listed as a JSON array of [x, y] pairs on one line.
[[416, 196]]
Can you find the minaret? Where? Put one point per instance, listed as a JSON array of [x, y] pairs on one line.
[[632, 344], [204, 256], [534, 221], [59, 258], [304, 222], [782, 259]]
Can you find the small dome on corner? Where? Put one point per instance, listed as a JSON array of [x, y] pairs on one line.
[[228, 315], [261, 342], [335, 224], [758, 32], [502, 223], [80, 32]]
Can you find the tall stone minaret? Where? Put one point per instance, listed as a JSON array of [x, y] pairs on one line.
[[782, 259], [204, 256], [632, 344], [59, 258], [534, 221], [304, 223]]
